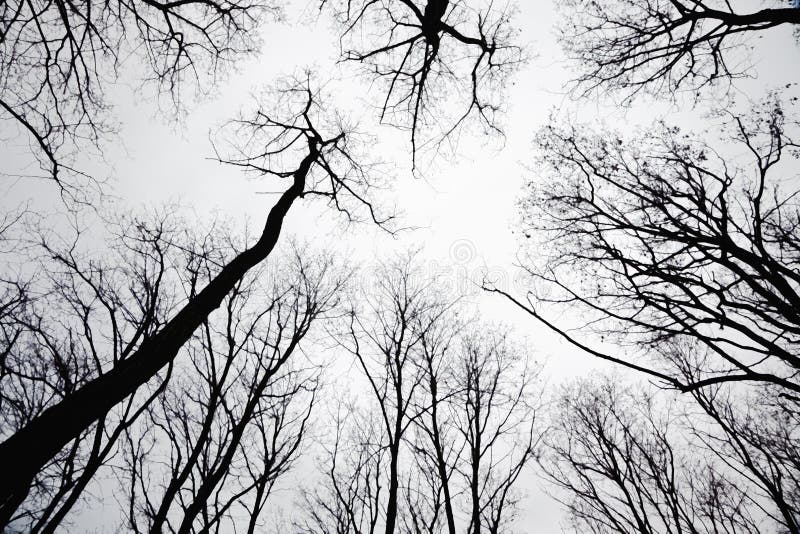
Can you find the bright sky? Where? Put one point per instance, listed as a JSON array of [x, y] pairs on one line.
[[464, 208]]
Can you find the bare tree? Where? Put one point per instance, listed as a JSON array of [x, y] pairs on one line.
[[350, 498], [661, 45], [447, 424], [436, 447], [666, 239], [318, 160], [57, 58], [233, 420], [399, 340], [428, 53], [81, 316], [14, 295], [495, 417], [757, 435], [626, 462], [385, 338], [681, 255], [623, 465]]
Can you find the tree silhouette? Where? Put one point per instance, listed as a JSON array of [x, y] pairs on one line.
[[435, 445], [622, 466], [755, 435], [350, 497], [234, 419], [662, 46], [429, 55], [71, 319], [57, 59], [447, 425], [624, 461], [319, 164], [495, 418], [385, 339], [665, 239]]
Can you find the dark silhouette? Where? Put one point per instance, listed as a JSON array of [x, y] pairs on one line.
[[495, 419], [325, 168], [666, 238], [58, 58], [234, 420], [349, 499], [66, 323], [624, 460], [176, 362], [662, 47], [436, 450], [424, 53], [448, 425], [385, 336]]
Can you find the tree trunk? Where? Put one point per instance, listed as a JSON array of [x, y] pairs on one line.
[[25, 453], [391, 505], [441, 464]]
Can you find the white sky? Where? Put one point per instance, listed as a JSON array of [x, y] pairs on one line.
[[466, 204]]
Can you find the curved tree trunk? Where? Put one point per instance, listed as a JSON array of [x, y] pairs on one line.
[[26, 452]]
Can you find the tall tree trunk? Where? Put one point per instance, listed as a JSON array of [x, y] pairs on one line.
[[176, 483], [25, 453], [391, 505], [209, 484], [441, 465], [475, 452]]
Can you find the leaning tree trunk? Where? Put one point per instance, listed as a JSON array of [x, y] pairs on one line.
[[25, 453]]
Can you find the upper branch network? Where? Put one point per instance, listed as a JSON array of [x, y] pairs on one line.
[[438, 62], [662, 45], [56, 57], [670, 240]]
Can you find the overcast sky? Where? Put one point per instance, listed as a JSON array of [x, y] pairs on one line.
[[464, 207]]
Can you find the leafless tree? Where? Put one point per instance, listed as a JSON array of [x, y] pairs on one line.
[[428, 54], [57, 59], [350, 497], [14, 292], [447, 425], [73, 318], [317, 157], [436, 447], [757, 435], [385, 337], [494, 413], [399, 340], [625, 461], [663, 45], [666, 239], [234, 418], [622, 464]]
